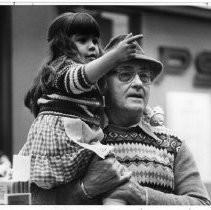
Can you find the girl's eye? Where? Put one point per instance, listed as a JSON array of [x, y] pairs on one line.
[[82, 40], [95, 41]]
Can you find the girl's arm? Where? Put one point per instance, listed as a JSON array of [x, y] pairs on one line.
[[73, 78]]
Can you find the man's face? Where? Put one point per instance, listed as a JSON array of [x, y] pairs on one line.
[[128, 93]]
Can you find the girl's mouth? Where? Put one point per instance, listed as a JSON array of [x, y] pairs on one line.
[[92, 56]]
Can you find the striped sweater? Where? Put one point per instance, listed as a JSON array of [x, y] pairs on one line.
[[71, 93]]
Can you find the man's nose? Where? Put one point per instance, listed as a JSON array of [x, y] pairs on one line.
[[137, 81]]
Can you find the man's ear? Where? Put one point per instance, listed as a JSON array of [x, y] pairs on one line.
[[102, 84]]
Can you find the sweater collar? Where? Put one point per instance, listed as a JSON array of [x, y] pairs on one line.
[[141, 124]]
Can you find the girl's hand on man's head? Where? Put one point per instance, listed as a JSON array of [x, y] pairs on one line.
[[126, 49]]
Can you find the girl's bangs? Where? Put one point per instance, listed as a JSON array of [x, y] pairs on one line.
[[84, 24]]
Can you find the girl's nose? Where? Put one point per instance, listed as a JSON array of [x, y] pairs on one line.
[[91, 45]]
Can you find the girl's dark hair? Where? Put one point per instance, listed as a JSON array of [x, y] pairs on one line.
[[63, 27], [42, 84], [59, 37]]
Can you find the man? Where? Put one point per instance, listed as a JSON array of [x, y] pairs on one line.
[[163, 168], [164, 172]]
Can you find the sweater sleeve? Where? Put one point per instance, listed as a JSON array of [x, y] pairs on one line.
[[71, 78], [189, 189]]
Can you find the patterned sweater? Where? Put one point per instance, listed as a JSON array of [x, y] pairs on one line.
[[151, 159]]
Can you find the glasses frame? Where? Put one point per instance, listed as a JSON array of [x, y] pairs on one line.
[[118, 72]]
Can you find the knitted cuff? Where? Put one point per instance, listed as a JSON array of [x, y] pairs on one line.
[[84, 77]]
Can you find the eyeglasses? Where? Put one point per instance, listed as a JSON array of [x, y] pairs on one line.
[[128, 76]]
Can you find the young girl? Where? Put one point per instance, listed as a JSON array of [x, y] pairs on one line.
[[66, 100]]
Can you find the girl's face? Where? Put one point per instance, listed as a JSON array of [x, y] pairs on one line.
[[87, 45]]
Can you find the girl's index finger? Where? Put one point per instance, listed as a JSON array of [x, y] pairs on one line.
[[129, 35], [134, 38]]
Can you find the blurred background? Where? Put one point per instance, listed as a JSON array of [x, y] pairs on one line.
[[179, 36]]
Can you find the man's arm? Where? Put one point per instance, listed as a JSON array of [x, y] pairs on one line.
[[66, 194], [101, 176], [189, 189]]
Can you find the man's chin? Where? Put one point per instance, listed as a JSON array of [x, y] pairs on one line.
[[136, 108], [136, 104]]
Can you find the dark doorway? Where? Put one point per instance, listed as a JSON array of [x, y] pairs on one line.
[[5, 81]]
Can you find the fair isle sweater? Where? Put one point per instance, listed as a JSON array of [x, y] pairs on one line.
[[160, 162]]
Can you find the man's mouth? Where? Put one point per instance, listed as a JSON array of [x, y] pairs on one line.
[[135, 95]]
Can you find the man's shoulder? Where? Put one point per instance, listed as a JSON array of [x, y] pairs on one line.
[[154, 118], [165, 131], [167, 137]]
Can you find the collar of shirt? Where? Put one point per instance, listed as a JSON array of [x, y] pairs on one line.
[[142, 124]]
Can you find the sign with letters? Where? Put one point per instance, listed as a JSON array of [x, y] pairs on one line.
[[177, 60]]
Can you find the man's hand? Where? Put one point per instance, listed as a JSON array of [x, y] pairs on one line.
[[104, 175], [131, 192]]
